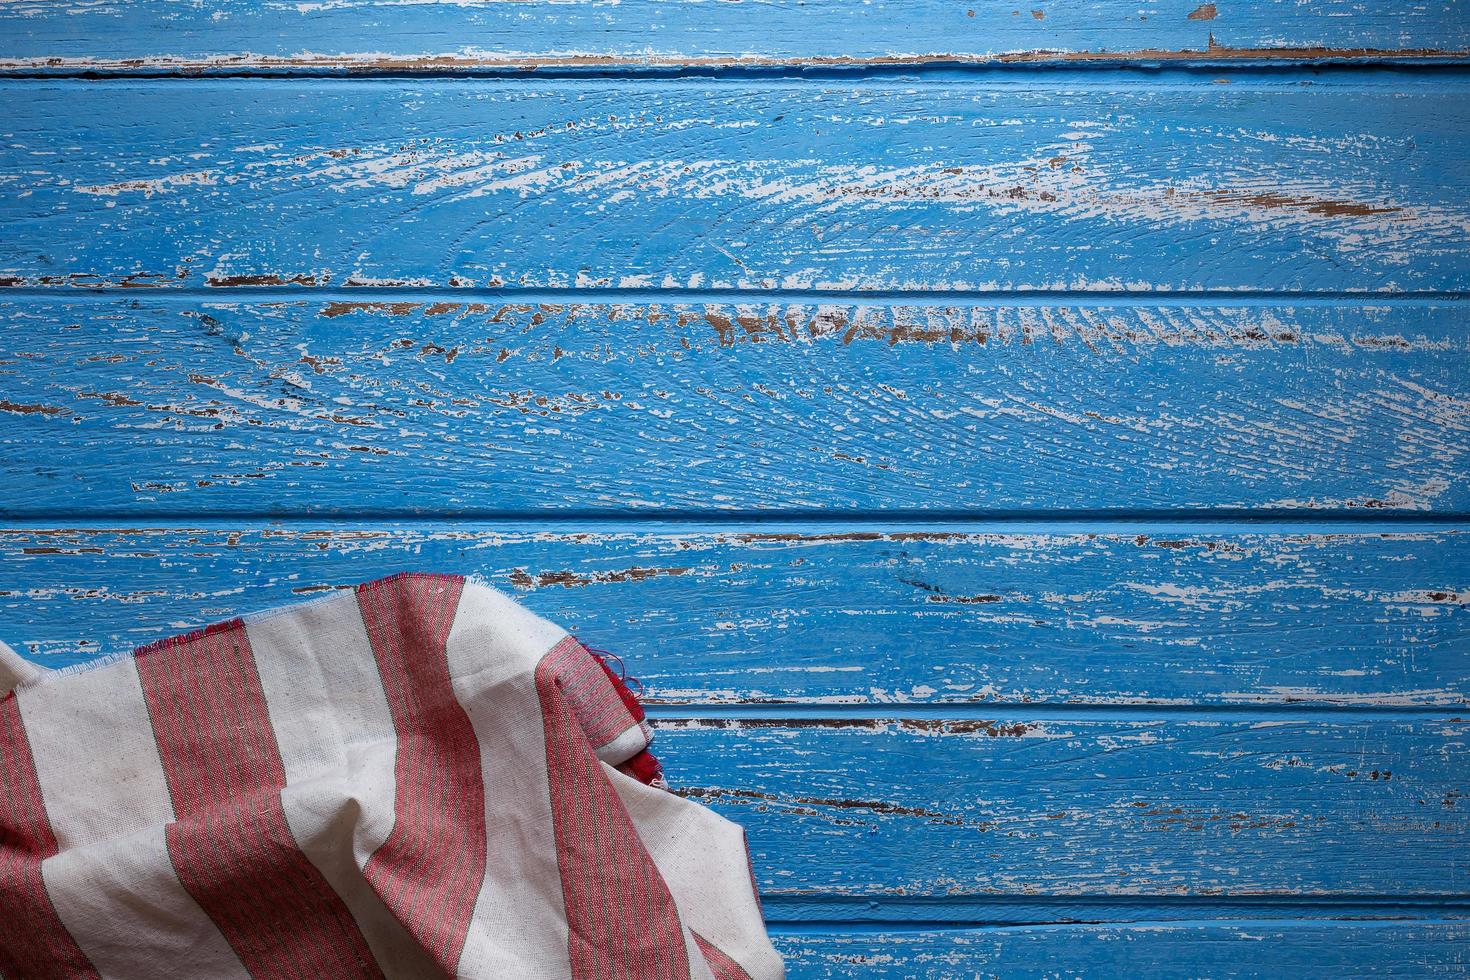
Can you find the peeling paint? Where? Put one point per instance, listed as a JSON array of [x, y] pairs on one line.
[[358, 62], [1296, 208], [297, 279], [19, 408], [568, 579]]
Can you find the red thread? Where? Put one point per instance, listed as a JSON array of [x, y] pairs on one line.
[[622, 675]]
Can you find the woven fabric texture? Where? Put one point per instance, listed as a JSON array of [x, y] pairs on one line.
[[416, 777]]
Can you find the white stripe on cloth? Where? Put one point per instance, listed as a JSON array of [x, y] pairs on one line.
[[519, 928], [704, 860], [337, 743]]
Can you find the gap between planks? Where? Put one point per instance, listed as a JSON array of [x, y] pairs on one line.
[[817, 524], [1370, 69], [594, 296], [796, 714], [832, 913], [1148, 67], [1392, 919]]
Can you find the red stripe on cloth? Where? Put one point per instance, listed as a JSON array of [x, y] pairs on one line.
[[33, 942], [604, 707], [230, 844], [623, 921], [431, 867], [721, 965]]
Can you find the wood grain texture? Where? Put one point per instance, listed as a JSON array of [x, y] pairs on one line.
[[1088, 806], [148, 406], [875, 185], [1266, 949], [382, 34], [821, 614]]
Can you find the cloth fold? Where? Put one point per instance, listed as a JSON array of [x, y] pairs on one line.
[[416, 777]]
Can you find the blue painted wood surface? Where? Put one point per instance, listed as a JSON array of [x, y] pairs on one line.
[[916, 615], [1343, 183], [1029, 481], [331, 407], [1263, 950], [1023, 803], [152, 35]]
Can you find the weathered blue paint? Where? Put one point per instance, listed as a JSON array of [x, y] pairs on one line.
[[245, 34], [1022, 354], [1120, 806], [332, 407], [839, 613], [1267, 950], [898, 186]]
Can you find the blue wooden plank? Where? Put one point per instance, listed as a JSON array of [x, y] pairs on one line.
[[919, 615], [152, 407], [1151, 951], [870, 185], [383, 34], [1128, 805]]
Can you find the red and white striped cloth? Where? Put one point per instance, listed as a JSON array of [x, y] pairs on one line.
[[414, 778]]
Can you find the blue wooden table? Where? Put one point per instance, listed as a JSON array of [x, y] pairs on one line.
[[1022, 450]]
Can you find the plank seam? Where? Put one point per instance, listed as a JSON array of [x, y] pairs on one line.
[[1145, 64], [1382, 520], [804, 714], [988, 907], [818, 526], [1399, 75], [815, 927], [614, 295]]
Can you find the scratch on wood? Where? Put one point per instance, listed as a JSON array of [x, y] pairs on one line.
[[989, 728], [17, 408], [365, 62], [300, 279], [524, 580], [333, 310], [881, 807], [1327, 208], [110, 397]]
